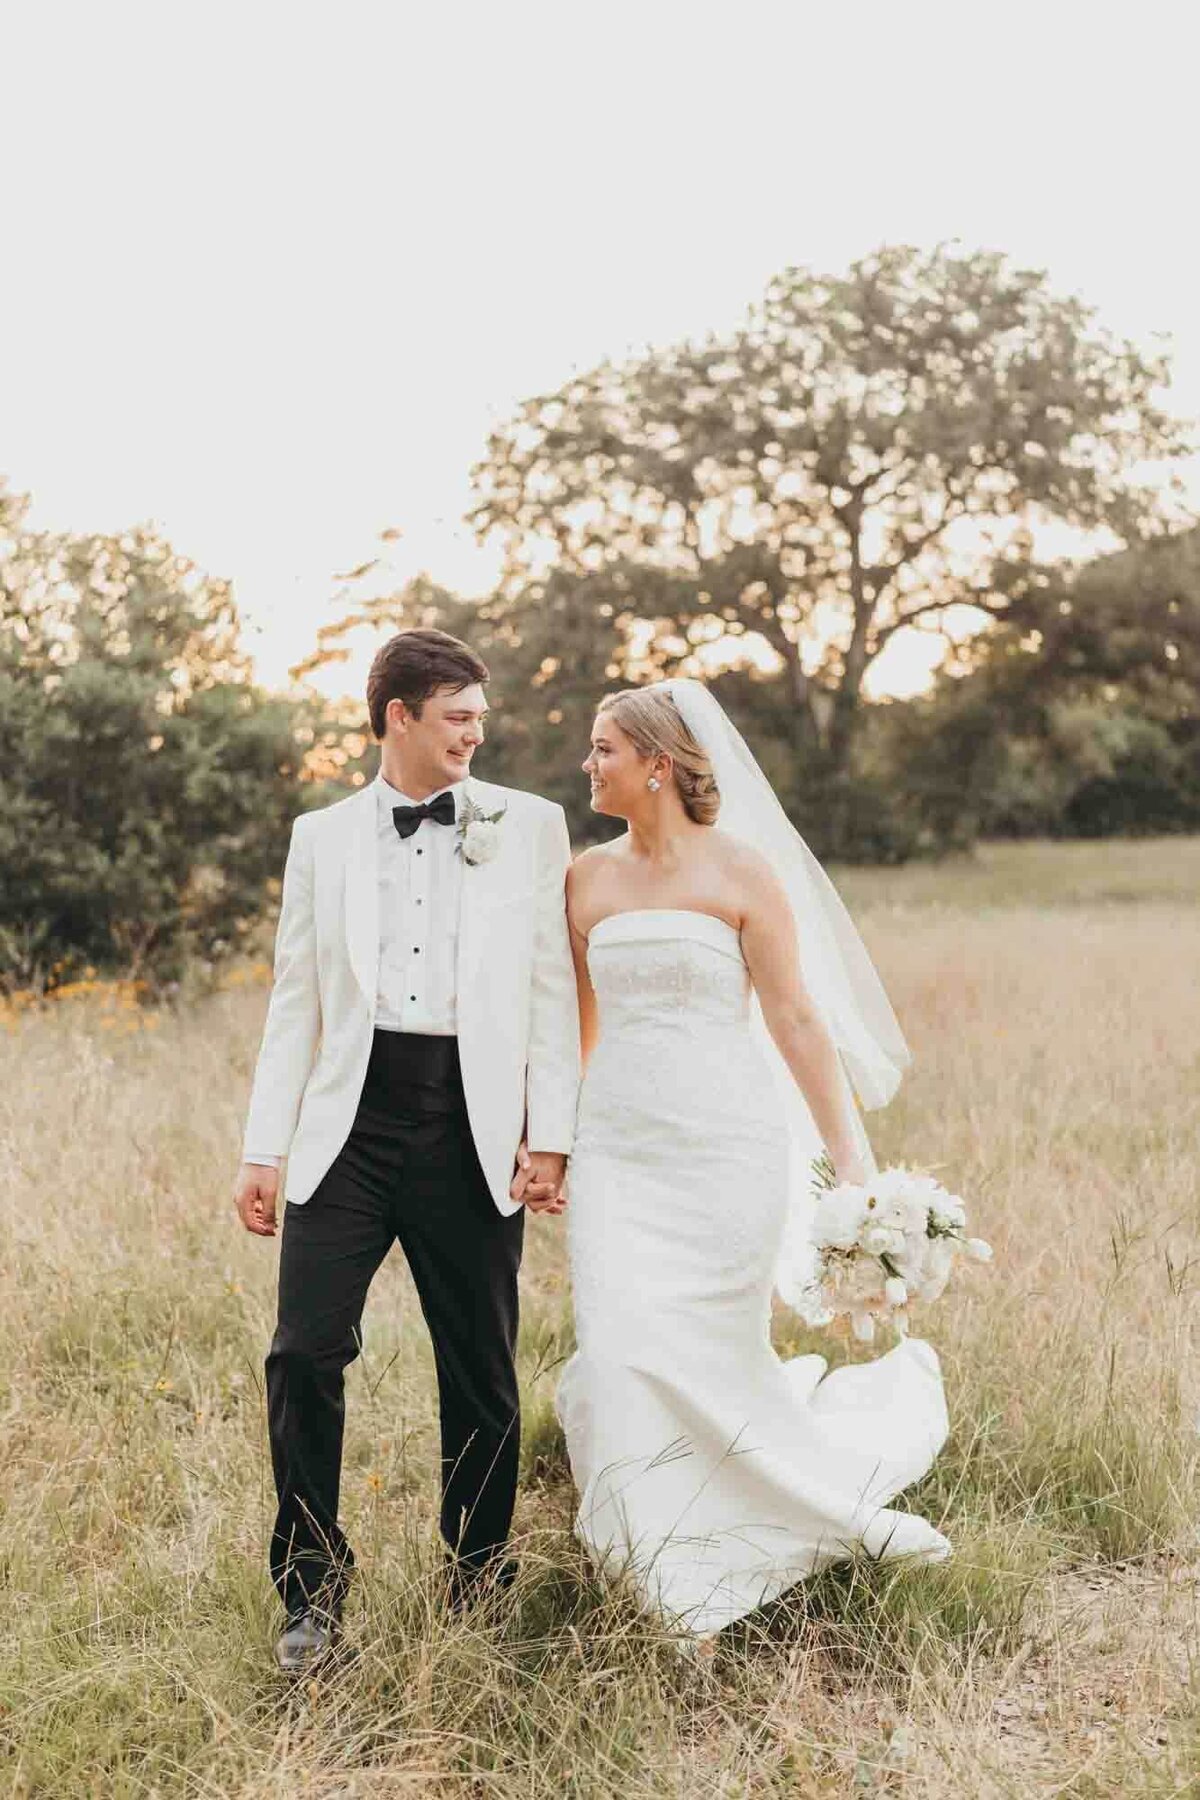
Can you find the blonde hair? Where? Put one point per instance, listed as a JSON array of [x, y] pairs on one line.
[[653, 723]]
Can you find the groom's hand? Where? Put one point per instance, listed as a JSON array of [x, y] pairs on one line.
[[254, 1196], [538, 1179]]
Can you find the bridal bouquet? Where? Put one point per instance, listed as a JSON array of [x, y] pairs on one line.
[[881, 1246]]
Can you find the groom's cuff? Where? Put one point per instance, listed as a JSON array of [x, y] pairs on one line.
[[264, 1162]]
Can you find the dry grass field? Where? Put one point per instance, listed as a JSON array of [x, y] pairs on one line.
[[1052, 997]]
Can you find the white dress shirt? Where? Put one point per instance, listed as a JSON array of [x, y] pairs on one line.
[[420, 887]]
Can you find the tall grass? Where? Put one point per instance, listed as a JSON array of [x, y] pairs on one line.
[[1057, 1042]]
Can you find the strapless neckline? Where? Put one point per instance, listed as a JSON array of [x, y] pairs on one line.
[[630, 924]]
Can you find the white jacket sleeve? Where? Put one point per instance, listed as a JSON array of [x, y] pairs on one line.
[[553, 1069], [293, 1027]]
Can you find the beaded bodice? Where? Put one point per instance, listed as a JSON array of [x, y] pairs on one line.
[[665, 971]]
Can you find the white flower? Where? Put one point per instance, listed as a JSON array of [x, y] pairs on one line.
[[478, 832], [883, 1247], [838, 1217], [901, 1200], [480, 841], [883, 1240]]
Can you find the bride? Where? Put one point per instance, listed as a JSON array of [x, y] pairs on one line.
[[729, 1013]]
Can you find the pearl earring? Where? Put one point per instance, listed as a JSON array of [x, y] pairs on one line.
[[654, 784]]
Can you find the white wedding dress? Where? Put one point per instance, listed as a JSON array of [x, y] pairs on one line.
[[711, 1471]]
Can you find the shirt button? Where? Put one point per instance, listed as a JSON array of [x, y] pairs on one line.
[[416, 949], [412, 996], [420, 853]]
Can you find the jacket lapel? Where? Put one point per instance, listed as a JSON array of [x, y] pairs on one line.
[[478, 883], [361, 903]]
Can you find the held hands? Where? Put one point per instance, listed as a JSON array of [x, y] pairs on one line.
[[538, 1180], [254, 1197]]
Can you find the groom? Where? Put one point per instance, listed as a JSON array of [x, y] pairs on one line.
[[422, 1029]]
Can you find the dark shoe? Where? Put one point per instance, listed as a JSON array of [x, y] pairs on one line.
[[307, 1641]]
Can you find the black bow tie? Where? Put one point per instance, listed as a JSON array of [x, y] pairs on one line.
[[407, 818]]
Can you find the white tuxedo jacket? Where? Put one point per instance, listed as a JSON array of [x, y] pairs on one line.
[[518, 1024]]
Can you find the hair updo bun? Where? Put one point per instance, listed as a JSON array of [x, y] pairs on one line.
[[655, 726], [699, 793]]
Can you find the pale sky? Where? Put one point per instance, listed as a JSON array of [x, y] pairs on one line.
[[272, 271]]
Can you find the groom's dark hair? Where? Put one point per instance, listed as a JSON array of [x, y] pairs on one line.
[[414, 664]]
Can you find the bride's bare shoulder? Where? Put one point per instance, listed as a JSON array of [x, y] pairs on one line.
[[589, 871], [585, 864], [745, 869], [736, 856]]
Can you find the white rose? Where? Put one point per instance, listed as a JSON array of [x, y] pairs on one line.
[[480, 841], [838, 1216], [878, 1240], [895, 1291]]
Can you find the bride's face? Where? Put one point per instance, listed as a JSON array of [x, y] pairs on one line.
[[616, 770]]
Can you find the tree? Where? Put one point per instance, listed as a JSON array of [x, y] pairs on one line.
[[146, 787], [1130, 618], [1078, 714], [870, 452]]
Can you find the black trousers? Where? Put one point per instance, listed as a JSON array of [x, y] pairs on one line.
[[408, 1171]]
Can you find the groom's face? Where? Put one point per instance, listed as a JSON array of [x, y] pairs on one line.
[[438, 746]]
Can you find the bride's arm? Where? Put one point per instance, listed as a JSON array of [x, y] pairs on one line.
[[769, 946], [588, 1026]]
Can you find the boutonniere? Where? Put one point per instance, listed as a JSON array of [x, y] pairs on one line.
[[478, 833]]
